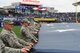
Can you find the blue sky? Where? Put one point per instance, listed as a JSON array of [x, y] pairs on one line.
[[60, 5]]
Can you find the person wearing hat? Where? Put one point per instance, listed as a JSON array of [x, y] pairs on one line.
[[34, 28], [4, 49], [34, 31], [26, 33], [35, 25], [10, 39]]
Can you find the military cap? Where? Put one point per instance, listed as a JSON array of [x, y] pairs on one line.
[[7, 21]]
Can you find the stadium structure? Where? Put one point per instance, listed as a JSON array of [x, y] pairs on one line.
[[32, 9], [28, 9]]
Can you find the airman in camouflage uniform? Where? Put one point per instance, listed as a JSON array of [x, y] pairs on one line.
[[36, 26], [4, 49], [26, 33], [10, 39], [33, 30]]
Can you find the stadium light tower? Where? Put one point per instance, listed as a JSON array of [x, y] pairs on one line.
[[76, 10]]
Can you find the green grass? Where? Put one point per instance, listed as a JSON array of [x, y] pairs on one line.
[[16, 29]]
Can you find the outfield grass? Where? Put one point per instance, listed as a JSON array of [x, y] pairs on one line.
[[16, 29]]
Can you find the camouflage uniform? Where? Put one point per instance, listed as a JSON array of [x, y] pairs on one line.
[[1, 46], [4, 49], [27, 35], [10, 39], [33, 31], [36, 26]]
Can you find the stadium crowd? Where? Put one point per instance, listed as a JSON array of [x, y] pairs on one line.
[[64, 17]]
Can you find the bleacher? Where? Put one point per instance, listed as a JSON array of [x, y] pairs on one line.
[[61, 17]]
